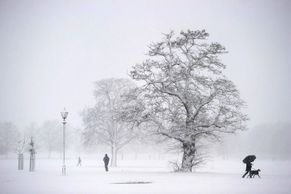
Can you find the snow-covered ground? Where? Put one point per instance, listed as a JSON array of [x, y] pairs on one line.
[[217, 176]]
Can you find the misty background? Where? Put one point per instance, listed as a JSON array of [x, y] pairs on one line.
[[52, 52]]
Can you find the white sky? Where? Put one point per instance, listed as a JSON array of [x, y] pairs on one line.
[[51, 52]]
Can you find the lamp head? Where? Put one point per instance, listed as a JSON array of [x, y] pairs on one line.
[[64, 114]]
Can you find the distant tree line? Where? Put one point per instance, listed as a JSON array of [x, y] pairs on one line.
[[47, 137], [268, 140]]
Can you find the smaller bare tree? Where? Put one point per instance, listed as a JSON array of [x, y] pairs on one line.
[[102, 122], [20, 146], [20, 149]]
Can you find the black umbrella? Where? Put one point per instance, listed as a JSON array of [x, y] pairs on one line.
[[249, 159]]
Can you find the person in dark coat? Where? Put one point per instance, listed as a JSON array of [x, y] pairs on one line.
[[248, 169], [106, 162], [79, 161]]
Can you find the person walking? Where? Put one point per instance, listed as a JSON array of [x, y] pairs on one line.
[[248, 161], [106, 162], [248, 169], [79, 161]]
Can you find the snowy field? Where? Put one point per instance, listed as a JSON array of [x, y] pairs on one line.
[[153, 176]]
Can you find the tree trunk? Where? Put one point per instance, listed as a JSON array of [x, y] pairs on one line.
[[113, 155], [189, 151]]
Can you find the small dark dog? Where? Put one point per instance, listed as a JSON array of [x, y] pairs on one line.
[[253, 173]]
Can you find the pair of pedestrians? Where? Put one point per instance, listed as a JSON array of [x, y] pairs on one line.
[[106, 160]]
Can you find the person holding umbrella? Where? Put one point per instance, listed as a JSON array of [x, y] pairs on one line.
[[248, 161]]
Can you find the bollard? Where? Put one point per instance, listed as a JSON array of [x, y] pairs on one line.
[[32, 161], [20, 161]]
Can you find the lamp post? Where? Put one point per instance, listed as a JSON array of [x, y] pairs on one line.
[[64, 116]]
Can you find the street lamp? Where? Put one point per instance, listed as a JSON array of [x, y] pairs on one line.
[[64, 116]]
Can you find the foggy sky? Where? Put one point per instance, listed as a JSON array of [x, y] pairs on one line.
[[51, 52]]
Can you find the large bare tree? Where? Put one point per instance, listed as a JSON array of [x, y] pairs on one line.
[[102, 122], [185, 96]]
